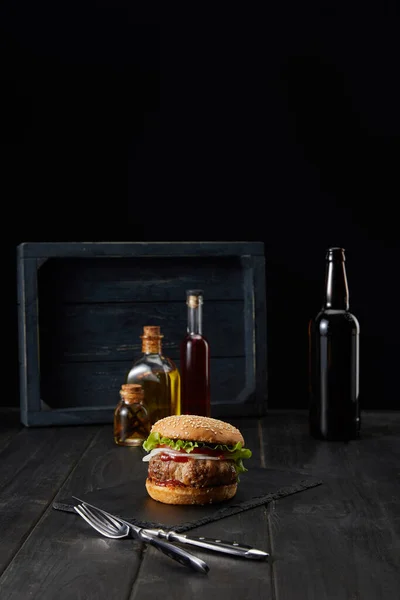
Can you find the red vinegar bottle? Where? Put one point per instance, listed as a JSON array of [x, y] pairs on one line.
[[195, 360]]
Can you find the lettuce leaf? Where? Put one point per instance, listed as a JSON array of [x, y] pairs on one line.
[[155, 439], [237, 452]]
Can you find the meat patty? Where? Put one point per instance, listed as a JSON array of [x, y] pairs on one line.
[[193, 472]]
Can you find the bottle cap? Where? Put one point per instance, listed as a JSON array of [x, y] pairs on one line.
[[335, 254]]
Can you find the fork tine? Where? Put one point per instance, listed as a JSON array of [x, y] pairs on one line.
[[98, 525], [179, 554], [98, 521], [104, 515], [90, 521]]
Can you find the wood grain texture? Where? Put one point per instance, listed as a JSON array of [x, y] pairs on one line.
[[67, 566], [87, 303], [340, 540], [9, 427], [99, 332], [28, 323], [66, 558], [32, 467], [99, 249], [260, 333], [140, 279], [228, 578], [98, 383], [76, 559]]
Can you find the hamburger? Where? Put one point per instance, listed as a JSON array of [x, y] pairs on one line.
[[193, 460]]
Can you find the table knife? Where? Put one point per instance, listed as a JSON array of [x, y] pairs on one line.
[[216, 545]]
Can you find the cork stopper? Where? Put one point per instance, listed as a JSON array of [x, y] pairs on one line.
[[132, 392], [151, 339], [194, 298], [151, 331]]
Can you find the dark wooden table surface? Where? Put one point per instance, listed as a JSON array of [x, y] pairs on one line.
[[340, 540]]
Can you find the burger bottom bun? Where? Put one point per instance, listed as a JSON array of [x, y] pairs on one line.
[[190, 495]]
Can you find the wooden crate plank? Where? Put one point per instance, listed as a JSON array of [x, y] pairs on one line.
[[144, 279], [249, 389], [260, 334], [97, 384], [91, 249], [344, 532], [28, 323], [92, 332], [32, 467], [68, 416], [89, 415]]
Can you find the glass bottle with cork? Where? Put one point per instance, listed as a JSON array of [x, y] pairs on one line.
[[195, 360], [131, 419], [334, 411], [158, 375]]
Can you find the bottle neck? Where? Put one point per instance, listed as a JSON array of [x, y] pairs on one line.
[[336, 289], [195, 320]]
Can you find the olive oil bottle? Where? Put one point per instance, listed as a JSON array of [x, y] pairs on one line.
[[158, 375]]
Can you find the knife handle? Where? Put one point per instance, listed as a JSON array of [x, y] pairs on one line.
[[178, 554], [217, 545]]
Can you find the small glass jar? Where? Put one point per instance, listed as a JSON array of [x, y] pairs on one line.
[[131, 419]]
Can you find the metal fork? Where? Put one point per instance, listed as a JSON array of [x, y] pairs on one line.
[[229, 548], [118, 528]]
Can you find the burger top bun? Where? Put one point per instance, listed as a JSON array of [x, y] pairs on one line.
[[198, 429]]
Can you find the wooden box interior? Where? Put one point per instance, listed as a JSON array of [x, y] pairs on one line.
[[90, 316]]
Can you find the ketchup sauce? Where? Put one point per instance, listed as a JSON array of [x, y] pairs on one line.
[[175, 458]]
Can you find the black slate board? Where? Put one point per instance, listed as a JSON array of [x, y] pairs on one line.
[[132, 503]]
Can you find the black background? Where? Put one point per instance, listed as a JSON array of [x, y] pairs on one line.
[[282, 127]]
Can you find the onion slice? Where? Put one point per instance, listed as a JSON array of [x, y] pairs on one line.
[[172, 452]]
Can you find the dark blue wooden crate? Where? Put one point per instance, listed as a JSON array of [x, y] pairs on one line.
[[82, 308]]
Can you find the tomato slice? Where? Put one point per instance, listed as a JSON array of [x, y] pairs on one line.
[[175, 457]]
